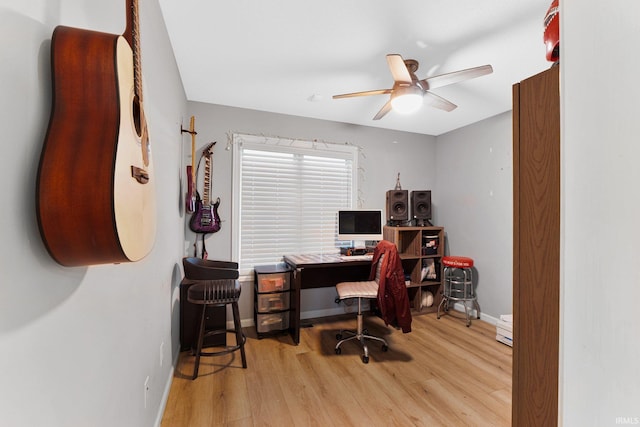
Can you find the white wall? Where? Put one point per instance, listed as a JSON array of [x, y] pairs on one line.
[[76, 344], [600, 342], [384, 154], [475, 205]]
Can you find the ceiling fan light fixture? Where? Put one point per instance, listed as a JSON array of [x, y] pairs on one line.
[[406, 100]]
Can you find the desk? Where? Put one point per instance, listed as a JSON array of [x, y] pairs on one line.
[[320, 271]]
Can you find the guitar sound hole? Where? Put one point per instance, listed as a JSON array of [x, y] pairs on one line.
[[137, 120]]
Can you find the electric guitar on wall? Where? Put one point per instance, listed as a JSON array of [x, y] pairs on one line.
[[205, 218], [191, 170], [95, 192]]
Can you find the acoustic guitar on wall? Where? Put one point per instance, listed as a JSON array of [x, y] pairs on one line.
[[95, 191]]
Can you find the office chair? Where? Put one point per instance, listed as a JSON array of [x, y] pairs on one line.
[[360, 290], [215, 283]]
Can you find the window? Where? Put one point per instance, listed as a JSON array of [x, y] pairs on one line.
[[286, 197]]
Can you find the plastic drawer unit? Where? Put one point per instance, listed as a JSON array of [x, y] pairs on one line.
[[272, 298]]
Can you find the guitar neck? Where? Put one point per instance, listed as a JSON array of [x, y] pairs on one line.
[[192, 131], [132, 34], [207, 181]]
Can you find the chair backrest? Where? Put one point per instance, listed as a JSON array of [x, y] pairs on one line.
[[378, 268], [204, 269]]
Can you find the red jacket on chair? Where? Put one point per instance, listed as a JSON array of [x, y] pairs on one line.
[[393, 298]]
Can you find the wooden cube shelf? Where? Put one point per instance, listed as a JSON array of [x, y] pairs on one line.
[[421, 250]]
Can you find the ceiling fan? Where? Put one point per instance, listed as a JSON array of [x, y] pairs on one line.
[[408, 93]]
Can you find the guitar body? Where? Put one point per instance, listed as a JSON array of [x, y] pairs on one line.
[[190, 200], [95, 187], [205, 219]]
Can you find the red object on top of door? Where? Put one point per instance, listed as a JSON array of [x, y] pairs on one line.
[[552, 32]]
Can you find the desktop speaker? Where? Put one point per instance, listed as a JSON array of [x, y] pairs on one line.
[[397, 205], [421, 204]]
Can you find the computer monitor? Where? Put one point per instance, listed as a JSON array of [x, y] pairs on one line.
[[360, 225]]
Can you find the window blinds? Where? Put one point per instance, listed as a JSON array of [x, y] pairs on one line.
[[288, 200]]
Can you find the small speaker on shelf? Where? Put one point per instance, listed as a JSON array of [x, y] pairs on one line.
[[397, 205], [421, 204]]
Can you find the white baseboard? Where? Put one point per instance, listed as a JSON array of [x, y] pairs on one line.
[[352, 309], [167, 388], [347, 307], [326, 312], [474, 314], [304, 315]]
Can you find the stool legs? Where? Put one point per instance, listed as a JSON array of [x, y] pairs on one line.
[[458, 286], [202, 332], [240, 339]]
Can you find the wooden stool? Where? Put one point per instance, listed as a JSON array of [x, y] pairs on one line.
[[215, 284], [458, 284]]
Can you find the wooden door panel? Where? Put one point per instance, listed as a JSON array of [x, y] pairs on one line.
[[536, 249]]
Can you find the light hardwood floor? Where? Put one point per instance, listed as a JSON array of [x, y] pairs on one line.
[[440, 374]]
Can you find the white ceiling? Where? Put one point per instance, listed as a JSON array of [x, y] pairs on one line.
[[291, 56]]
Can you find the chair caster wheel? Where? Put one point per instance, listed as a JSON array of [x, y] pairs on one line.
[[365, 359], [338, 337], [338, 350], [385, 347]]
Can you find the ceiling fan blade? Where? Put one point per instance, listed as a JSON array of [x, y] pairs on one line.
[[439, 102], [383, 111], [398, 69], [455, 77], [365, 93]]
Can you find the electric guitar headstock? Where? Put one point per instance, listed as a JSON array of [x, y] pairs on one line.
[[208, 150]]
